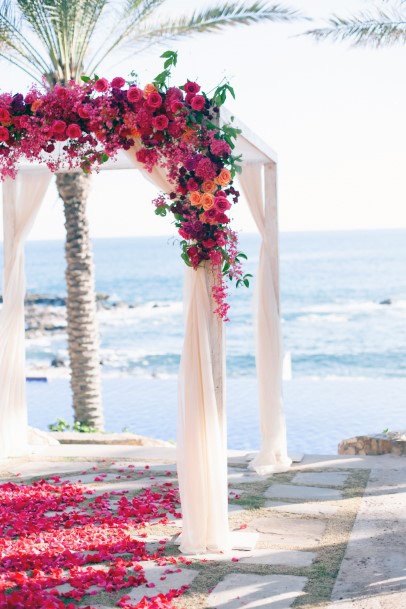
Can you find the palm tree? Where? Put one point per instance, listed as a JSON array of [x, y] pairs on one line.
[[382, 25], [57, 41]]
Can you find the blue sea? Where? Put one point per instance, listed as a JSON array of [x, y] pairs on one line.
[[347, 350]]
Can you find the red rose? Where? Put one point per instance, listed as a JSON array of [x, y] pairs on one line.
[[134, 95], [118, 82], [59, 127], [154, 100], [4, 134], [160, 122], [101, 85], [73, 130], [198, 102], [191, 87], [4, 115], [211, 214]]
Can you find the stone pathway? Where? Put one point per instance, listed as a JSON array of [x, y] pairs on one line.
[[324, 535]]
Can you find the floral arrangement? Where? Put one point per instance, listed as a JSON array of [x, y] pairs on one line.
[[83, 125]]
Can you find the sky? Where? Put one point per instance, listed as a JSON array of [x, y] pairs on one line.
[[334, 115]]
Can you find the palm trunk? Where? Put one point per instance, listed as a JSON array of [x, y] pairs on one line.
[[83, 335]]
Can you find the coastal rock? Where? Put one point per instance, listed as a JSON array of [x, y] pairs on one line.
[[375, 444], [58, 362], [387, 301]]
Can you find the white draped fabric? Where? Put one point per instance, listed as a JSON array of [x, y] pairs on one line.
[[22, 199], [261, 197], [201, 434]]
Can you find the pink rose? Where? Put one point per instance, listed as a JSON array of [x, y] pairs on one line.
[[84, 110], [198, 102], [24, 121], [29, 98], [4, 115], [211, 214], [134, 95], [118, 82], [4, 134], [160, 122], [59, 127], [191, 87], [154, 100], [101, 85], [222, 204], [73, 130], [176, 106]]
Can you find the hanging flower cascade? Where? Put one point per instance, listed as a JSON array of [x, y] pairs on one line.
[[175, 128], [62, 543]]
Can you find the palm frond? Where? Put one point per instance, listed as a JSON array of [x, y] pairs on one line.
[[376, 28], [127, 20], [215, 18], [65, 28]]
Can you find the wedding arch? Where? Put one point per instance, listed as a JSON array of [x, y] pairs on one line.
[[191, 148]]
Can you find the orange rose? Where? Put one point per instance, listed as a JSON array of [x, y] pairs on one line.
[[189, 135], [224, 178], [195, 198], [36, 105], [135, 133], [209, 186], [148, 89], [207, 201]]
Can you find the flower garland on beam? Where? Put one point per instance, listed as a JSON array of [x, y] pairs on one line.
[[178, 128]]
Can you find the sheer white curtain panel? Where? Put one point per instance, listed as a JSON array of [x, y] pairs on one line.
[[201, 444], [258, 183], [22, 199]]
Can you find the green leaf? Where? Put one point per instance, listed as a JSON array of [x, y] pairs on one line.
[[246, 283], [85, 78], [104, 157], [185, 258], [242, 255]]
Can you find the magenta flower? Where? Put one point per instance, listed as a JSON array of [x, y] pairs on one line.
[[154, 100], [59, 127], [4, 134], [118, 82], [101, 85], [134, 95], [205, 169], [160, 122], [191, 87], [73, 131], [198, 102]]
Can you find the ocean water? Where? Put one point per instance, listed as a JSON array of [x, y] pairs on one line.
[[331, 287], [348, 351]]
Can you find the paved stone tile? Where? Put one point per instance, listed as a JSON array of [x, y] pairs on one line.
[[289, 558], [153, 575], [311, 508], [289, 531], [288, 491], [138, 466], [321, 478], [129, 485], [373, 572], [249, 591], [47, 468], [243, 476]]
